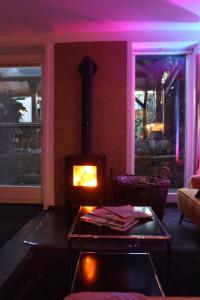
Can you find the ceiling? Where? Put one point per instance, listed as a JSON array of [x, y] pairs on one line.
[[24, 17]]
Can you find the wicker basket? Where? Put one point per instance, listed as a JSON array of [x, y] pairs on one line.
[[141, 191]]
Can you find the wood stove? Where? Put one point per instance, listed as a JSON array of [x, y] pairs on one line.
[[85, 179], [85, 172]]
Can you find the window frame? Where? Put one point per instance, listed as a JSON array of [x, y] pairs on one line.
[[33, 56], [190, 117]]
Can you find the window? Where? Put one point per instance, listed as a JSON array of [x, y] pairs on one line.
[[20, 125], [160, 113]]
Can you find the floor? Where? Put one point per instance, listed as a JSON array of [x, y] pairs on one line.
[[49, 228], [45, 228]]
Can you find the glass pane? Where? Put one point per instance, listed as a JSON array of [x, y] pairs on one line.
[[20, 125], [85, 176], [160, 115]]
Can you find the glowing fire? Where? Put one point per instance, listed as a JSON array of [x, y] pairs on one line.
[[84, 175]]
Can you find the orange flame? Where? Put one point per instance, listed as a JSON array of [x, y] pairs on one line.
[[84, 175]]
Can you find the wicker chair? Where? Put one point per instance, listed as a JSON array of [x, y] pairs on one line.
[[142, 190]]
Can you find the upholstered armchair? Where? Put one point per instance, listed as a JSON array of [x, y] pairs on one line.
[[188, 204]]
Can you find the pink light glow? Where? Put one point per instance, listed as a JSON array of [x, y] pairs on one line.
[[98, 16], [190, 5]]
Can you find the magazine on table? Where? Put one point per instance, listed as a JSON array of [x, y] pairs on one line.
[[120, 213], [116, 217], [104, 213], [127, 212], [104, 221], [121, 226]]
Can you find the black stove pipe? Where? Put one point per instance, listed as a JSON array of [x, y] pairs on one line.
[[87, 69]]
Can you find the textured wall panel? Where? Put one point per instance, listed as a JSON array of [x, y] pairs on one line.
[[110, 105]]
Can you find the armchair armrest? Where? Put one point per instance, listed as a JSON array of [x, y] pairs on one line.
[[194, 181]]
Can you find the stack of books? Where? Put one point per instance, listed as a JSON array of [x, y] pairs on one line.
[[116, 217]]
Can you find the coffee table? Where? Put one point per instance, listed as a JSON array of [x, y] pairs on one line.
[[146, 236]]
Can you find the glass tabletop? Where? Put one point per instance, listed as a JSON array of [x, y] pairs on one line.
[[150, 228]]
